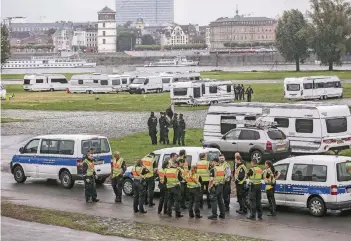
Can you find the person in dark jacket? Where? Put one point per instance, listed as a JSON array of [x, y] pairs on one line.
[[235, 92], [89, 177], [242, 90], [240, 178], [152, 125], [139, 186], [249, 92], [238, 91], [181, 130], [163, 129], [169, 112]]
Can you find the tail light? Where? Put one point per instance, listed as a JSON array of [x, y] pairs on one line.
[[269, 146], [334, 190], [329, 141]]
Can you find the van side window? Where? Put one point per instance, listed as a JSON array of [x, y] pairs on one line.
[[116, 82], [166, 80], [229, 88], [250, 118], [166, 157], [124, 81], [157, 158], [336, 125], [304, 126], [282, 122], [62, 81], [319, 173], [32, 146], [146, 81], [49, 147], [308, 86], [282, 169], [213, 89], [299, 173], [26, 81], [39, 81], [320, 85], [104, 82], [99, 146], [96, 81], [249, 135], [80, 81], [227, 123], [337, 84], [344, 171]]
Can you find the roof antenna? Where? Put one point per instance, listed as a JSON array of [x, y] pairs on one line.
[[237, 10]]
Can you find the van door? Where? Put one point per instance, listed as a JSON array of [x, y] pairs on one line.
[[280, 186], [297, 187], [248, 139], [197, 92], [229, 143], [343, 175], [29, 158]]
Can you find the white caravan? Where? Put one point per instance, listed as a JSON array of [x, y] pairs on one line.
[[121, 82], [146, 84], [90, 83], [202, 92], [318, 87], [169, 78], [45, 82], [311, 128]]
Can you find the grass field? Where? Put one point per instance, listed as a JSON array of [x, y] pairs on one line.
[[271, 74], [20, 76], [123, 101]]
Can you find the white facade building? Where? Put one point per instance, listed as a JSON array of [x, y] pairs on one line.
[[208, 37], [62, 40], [174, 36], [107, 31], [79, 39]]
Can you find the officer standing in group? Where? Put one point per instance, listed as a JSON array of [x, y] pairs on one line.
[[163, 129], [203, 170], [255, 178], [184, 168], [238, 91], [150, 164], [89, 177], [118, 168], [249, 92], [235, 93], [175, 128], [269, 179], [217, 179], [240, 178], [227, 183], [194, 187], [181, 130], [152, 125], [139, 186], [162, 205], [172, 180]]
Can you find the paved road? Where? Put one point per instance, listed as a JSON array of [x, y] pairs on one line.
[[16, 230]]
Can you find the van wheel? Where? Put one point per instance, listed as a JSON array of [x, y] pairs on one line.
[[258, 156], [142, 91], [316, 207], [52, 89], [128, 187], [18, 174], [66, 179], [325, 97]]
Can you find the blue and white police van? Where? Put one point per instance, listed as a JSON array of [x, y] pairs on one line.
[[316, 182], [60, 157]]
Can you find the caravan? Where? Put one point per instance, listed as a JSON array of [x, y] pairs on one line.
[[90, 84], [45, 82], [169, 78], [311, 128], [121, 82], [319, 87], [202, 92]]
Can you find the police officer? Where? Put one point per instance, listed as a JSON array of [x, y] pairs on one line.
[[89, 177], [242, 92], [181, 130], [269, 179], [172, 180], [175, 128], [150, 164], [249, 92], [169, 112], [162, 205], [238, 91], [203, 170], [217, 179], [227, 183], [255, 178], [118, 168], [235, 93], [152, 125], [194, 187], [163, 129], [184, 169], [240, 178], [139, 186]]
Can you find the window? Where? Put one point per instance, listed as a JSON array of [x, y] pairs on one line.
[[212, 155], [213, 89], [319, 85], [166, 157], [249, 135], [282, 170], [104, 82], [308, 86], [99, 146], [203, 88], [62, 81], [103, 33], [336, 125], [96, 81], [293, 87], [329, 85], [229, 88], [104, 41], [103, 25], [80, 81], [180, 91], [304, 126], [299, 173], [124, 81], [26, 81], [344, 171], [276, 135], [39, 81], [157, 158], [166, 80], [227, 123], [337, 84], [319, 173], [116, 82], [251, 118], [32, 146], [282, 122], [49, 147]]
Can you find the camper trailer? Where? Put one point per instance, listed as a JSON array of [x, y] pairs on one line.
[[169, 78], [201, 92], [121, 82], [318, 87], [145, 84], [311, 127], [90, 84], [45, 82]]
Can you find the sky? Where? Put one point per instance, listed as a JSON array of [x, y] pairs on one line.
[[186, 11]]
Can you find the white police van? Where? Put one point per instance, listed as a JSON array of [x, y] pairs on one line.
[[60, 157], [318, 182]]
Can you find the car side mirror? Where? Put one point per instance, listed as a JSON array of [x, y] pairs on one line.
[[224, 137], [21, 150]]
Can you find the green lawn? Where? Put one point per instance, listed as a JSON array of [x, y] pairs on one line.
[[123, 101], [271, 74], [20, 76]]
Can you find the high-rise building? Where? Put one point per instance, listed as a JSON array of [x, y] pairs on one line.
[[152, 11]]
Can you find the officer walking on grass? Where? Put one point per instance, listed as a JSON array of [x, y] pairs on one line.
[[152, 125], [118, 168], [89, 177], [139, 186], [217, 179], [249, 92], [255, 179]]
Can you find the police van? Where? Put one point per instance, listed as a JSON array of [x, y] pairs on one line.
[[61, 157], [318, 182]]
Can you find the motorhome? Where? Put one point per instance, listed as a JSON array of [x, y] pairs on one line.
[[317, 87], [45, 82], [146, 84], [201, 92], [169, 78], [311, 127], [90, 84]]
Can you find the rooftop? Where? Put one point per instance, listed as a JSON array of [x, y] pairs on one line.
[[106, 10]]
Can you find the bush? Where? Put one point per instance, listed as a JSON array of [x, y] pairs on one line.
[[186, 46], [243, 45], [147, 47]]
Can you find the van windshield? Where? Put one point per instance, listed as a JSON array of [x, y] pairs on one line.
[[344, 171], [99, 145], [26, 81], [139, 81], [293, 87], [180, 91]]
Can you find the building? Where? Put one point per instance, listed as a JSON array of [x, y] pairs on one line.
[[241, 29], [40, 27], [208, 37], [28, 42], [91, 40], [174, 36], [62, 40], [107, 31], [139, 24], [152, 11], [79, 40]]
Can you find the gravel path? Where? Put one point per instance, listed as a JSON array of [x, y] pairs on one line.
[[110, 124]]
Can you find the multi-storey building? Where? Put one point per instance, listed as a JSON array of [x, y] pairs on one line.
[[79, 40], [152, 11], [91, 40], [39, 27], [107, 31], [28, 42], [174, 36], [62, 40]]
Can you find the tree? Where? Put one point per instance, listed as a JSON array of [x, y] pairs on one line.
[[125, 41], [50, 32], [330, 30], [127, 24], [292, 37], [147, 39], [5, 44]]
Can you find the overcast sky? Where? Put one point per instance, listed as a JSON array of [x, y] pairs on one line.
[[186, 11]]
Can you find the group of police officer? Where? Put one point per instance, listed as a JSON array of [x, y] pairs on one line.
[[178, 125], [239, 92]]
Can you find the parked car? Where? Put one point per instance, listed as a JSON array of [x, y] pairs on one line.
[[318, 182], [162, 155], [253, 142]]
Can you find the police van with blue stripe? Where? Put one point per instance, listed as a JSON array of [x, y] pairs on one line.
[[318, 182], [61, 157]]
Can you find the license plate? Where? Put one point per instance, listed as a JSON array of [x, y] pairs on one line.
[[281, 147], [339, 141], [99, 162]]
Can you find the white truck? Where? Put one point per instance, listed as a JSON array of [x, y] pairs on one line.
[[146, 84]]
